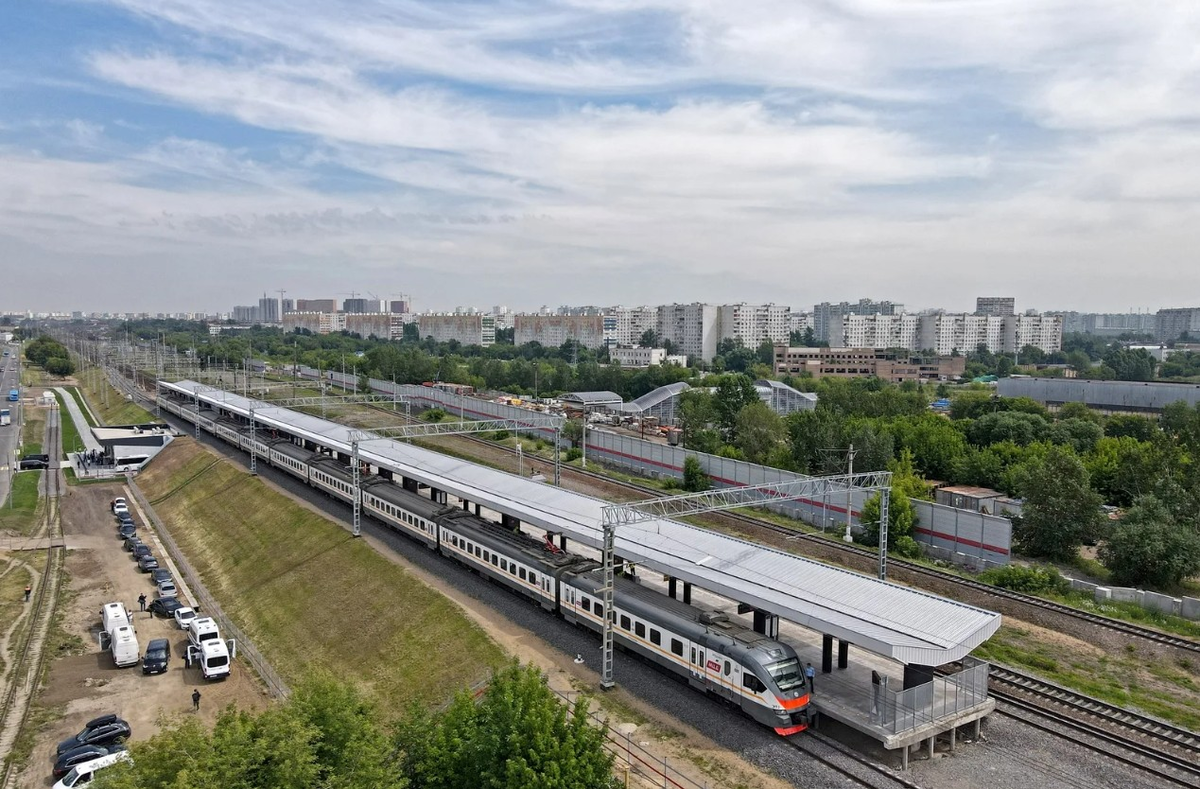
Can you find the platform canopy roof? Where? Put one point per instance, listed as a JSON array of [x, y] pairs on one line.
[[894, 621]]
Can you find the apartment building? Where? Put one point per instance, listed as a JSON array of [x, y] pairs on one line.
[[464, 329], [874, 330], [1174, 323], [315, 322], [995, 305], [944, 333], [316, 305], [553, 330], [750, 324], [626, 325], [693, 329], [824, 313], [383, 325]]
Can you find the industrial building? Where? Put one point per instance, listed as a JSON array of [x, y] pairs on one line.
[[644, 357], [783, 399], [1135, 397]]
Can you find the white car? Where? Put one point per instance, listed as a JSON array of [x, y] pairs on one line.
[[183, 616], [119, 503], [167, 588]]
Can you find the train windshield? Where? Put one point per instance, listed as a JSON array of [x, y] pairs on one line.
[[787, 674]]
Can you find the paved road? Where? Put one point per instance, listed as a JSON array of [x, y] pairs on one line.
[[9, 436]]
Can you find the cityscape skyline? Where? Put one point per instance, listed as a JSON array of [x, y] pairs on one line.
[[155, 153]]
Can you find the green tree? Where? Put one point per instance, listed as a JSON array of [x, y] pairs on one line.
[[1130, 364], [902, 517], [1131, 425], [518, 736], [1015, 426], [697, 415], [758, 431], [1061, 512], [694, 478], [1079, 434], [1150, 548], [734, 392]]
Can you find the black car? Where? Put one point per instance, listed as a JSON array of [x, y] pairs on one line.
[[29, 464], [140, 550], [84, 753], [164, 606], [161, 574], [157, 657], [132, 542], [147, 563], [127, 530], [105, 730], [124, 517]]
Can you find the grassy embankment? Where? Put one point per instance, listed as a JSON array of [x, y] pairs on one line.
[[1169, 690], [19, 513], [87, 414], [118, 410], [306, 592], [71, 440]]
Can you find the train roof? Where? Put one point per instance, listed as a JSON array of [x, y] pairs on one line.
[[907, 625]]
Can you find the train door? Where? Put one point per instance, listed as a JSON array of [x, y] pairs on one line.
[[696, 677]]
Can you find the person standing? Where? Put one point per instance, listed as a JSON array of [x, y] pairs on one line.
[[28, 589], [196, 700], [811, 675], [142, 601]]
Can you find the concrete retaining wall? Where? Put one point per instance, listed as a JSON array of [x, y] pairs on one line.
[[1186, 607]]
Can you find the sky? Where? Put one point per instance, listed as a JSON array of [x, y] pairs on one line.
[[179, 155]]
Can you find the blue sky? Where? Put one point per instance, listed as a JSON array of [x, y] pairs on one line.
[[191, 154]]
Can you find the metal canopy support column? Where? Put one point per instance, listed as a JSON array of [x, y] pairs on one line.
[[884, 501], [356, 481], [253, 442], [557, 460], [606, 673]]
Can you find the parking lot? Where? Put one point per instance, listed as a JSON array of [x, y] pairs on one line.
[[83, 686]]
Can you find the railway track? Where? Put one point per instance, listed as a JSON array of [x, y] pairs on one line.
[[29, 657], [864, 771]]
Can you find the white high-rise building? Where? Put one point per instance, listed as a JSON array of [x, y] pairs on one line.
[[626, 325], [750, 324], [874, 330], [693, 329]]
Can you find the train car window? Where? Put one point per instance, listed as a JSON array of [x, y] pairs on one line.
[[655, 637], [598, 607], [693, 654], [639, 629], [504, 565], [728, 668], [532, 577], [624, 622], [495, 560], [677, 647], [584, 602], [751, 682], [522, 573], [512, 569]]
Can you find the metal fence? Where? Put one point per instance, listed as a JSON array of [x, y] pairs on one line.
[[245, 648], [904, 710]]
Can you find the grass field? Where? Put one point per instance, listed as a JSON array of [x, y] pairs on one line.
[[307, 593], [118, 411], [33, 431], [71, 441], [20, 510]]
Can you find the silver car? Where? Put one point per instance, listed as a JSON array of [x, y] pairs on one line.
[[167, 589]]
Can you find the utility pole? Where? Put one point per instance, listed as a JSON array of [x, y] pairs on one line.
[[850, 453]]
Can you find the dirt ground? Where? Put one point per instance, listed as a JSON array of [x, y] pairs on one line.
[[81, 687]]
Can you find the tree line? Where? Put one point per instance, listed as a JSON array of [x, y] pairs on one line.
[[328, 735], [50, 355]]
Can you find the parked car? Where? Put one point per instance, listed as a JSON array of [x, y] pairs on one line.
[[119, 501], [105, 730], [29, 464], [124, 517], [183, 615], [159, 575], [131, 542], [126, 530], [147, 563], [141, 549], [84, 753], [157, 657], [164, 606], [83, 773], [168, 589]]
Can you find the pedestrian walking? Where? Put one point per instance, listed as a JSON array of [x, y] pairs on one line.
[[196, 700], [142, 601], [28, 589], [810, 674]]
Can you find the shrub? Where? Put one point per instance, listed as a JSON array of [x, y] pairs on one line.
[[1028, 580], [500, 435], [574, 453]]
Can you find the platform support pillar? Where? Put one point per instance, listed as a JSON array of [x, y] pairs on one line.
[[904, 758], [476, 509], [509, 522], [562, 542], [953, 737], [766, 623], [672, 587], [826, 653], [687, 592], [929, 747], [843, 653], [978, 727], [466, 505]]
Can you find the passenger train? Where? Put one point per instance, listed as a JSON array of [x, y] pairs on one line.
[[757, 674]]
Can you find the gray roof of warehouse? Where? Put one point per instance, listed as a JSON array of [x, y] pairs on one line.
[[894, 621], [591, 398]]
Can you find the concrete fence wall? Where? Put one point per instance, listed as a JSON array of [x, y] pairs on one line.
[[965, 537], [1186, 607]]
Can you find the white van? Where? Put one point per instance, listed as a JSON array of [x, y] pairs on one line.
[[201, 629], [124, 646], [213, 657], [114, 615], [84, 773]]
